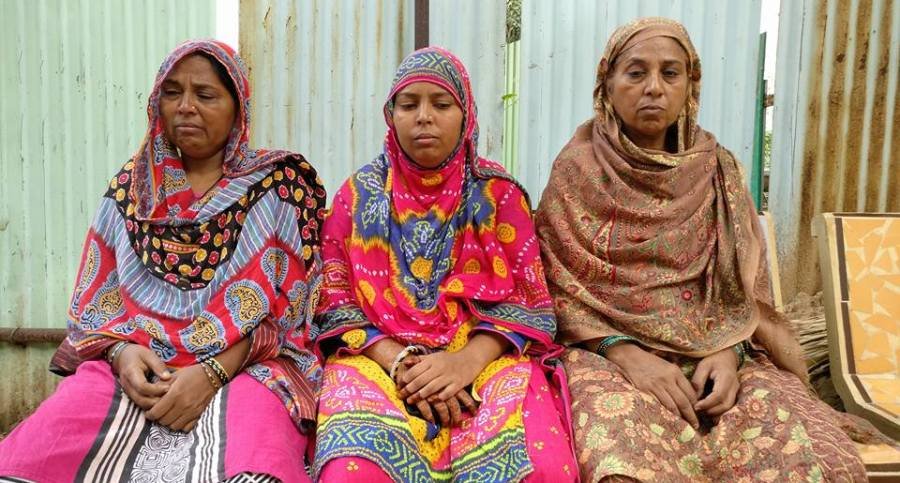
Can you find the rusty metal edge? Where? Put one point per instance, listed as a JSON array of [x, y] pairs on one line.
[[27, 335]]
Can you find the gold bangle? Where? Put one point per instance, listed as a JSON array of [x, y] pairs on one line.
[[213, 379], [217, 368]]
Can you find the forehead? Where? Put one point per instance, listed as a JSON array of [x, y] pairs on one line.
[[655, 50], [419, 89], [195, 65]]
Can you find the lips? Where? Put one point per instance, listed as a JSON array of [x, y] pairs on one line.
[[652, 107], [425, 136]]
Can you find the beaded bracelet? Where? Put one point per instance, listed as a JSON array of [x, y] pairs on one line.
[[211, 375], [114, 351], [403, 354], [610, 341], [217, 368]]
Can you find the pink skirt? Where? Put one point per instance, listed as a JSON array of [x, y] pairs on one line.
[[88, 430]]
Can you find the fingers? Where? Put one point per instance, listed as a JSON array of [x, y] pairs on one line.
[[160, 409], [467, 402], [700, 377], [413, 372], [184, 423], [676, 402], [722, 397], [142, 401], [685, 407], [437, 386], [443, 412], [456, 416], [155, 364], [687, 389], [425, 409]]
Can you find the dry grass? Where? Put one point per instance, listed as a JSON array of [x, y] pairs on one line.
[[807, 316]]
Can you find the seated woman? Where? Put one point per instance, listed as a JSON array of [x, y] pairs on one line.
[[188, 326], [434, 306], [655, 261]]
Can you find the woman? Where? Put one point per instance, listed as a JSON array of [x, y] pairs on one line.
[[196, 272], [658, 274], [434, 306]]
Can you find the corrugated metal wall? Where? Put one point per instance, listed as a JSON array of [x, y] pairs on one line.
[[320, 70], [837, 122], [562, 42], [481, 45], [75, 76]]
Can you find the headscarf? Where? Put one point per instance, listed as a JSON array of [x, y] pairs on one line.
[[189, 278], [663, 247], [417, 252], [160, 190]]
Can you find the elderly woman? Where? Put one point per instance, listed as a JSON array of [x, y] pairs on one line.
[[434, 306], [683, 371], [187, 330]]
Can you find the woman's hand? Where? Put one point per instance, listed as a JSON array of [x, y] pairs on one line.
[[438, 377], [721, 368], [656, 376], [184, 403], [132, 365], [448, 412], [443, 374]]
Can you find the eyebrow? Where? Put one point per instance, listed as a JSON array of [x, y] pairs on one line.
[[195, 85], [644, 61], [435, 95]]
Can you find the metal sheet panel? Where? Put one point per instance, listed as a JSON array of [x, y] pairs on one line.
[[75, 76], [836, 127], [320, 71], [562, 42], [481, 46]]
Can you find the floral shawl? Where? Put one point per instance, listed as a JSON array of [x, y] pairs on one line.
[[414, 254], [663, 247], [189, 277]]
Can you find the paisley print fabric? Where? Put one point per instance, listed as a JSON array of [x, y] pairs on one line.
[[775, 431], [666, 248]]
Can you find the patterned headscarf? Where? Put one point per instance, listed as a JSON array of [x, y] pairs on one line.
[[190, 278], [160, 190], [663, 247], [628, 36], [422, 248]]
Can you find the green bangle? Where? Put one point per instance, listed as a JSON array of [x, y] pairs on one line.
[[741, 350], [610, 341]]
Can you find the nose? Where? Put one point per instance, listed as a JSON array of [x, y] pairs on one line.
[[186, 104], [424, 114], [654, 84]]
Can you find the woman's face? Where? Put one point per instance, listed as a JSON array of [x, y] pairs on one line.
[[648, 87], [428, 122], [197, 110]]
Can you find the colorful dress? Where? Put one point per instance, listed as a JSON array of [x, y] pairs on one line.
[[665, 248], [430, 257], [189, 278]]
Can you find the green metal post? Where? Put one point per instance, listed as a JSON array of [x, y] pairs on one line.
[[756, 173]]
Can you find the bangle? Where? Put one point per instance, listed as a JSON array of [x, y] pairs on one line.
[[217, 369], [741, 349], [114, 351], [610, 341], [403, 354], [211, 375]]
